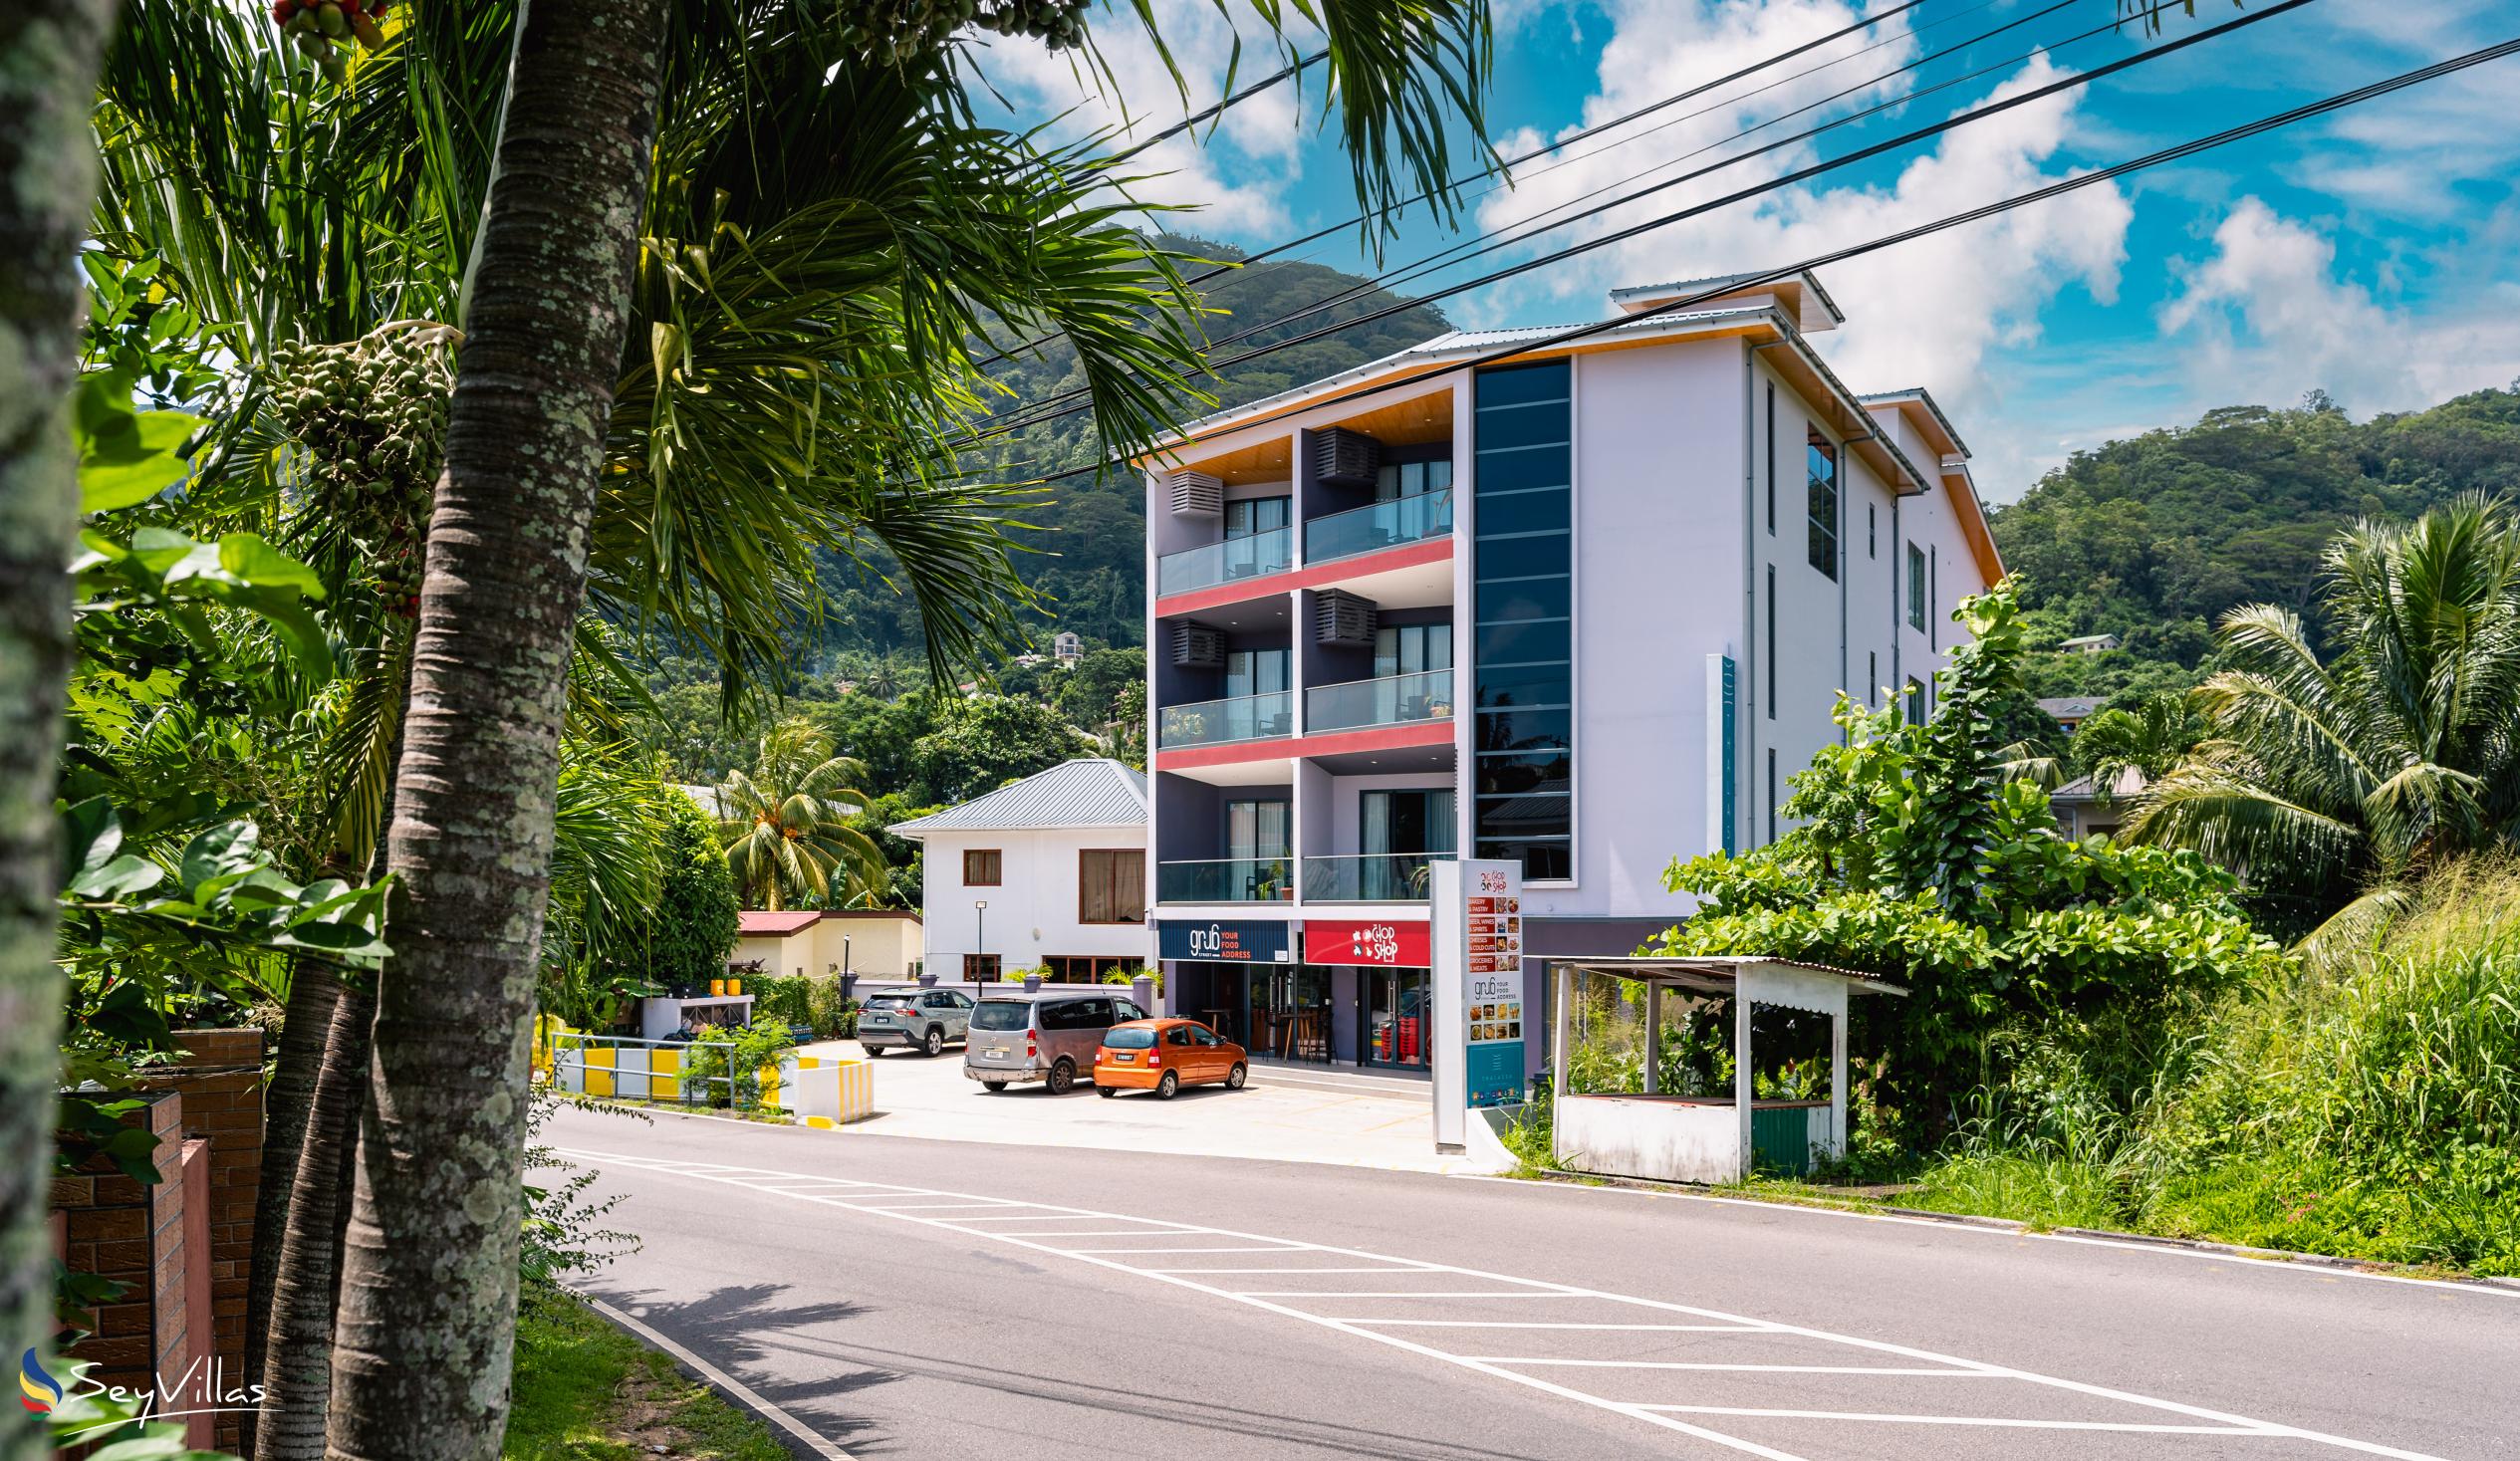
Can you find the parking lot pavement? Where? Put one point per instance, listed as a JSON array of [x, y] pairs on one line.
[[1288, 1116], [1709, 1379]]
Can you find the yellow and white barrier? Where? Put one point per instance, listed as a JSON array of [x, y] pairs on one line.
[[815, 1090], [821, 1093]]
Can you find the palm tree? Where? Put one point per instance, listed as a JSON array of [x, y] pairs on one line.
[[2341, 783], [2150, 739], [785, 826], [46, 164]]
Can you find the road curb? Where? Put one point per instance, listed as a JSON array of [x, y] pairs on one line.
[[2014, 1225], [734, 1392]]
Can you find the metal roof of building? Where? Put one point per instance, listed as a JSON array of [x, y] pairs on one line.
[[1093, 790]]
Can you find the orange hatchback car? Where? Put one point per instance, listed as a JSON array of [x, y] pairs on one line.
[[1163, 1055]]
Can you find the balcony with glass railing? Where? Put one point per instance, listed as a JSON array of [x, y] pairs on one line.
[[1371, 877], [1229, 561], [1226, 881], [1222, 722], [1392, 699], [1369, 529]]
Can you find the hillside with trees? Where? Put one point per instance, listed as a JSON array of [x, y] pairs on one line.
[[2155, 538]]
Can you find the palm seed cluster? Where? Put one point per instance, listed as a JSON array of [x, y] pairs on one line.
[[372, 416], [897, 32]]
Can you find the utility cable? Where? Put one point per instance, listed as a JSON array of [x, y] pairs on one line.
[[2177, 152]]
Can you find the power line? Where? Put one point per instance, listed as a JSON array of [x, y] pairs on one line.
[[1533, 227], [2174, 154], [1507, 165], [1195, 118], [1024, 422]]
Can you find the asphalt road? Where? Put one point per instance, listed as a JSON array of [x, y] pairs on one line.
[[951, 1300]]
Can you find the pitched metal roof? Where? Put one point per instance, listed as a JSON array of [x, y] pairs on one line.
[[759, 922], [1094, 791]]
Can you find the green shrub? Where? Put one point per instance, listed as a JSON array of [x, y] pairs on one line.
[[694, 925]]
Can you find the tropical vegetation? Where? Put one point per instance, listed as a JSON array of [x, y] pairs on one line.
[[789, 842]]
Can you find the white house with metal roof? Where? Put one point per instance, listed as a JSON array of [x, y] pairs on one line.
[[1050, 870]]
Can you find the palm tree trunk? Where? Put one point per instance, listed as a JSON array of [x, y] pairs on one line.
[[426, 1334], [49, 56], [314, 990], [296, 1372]]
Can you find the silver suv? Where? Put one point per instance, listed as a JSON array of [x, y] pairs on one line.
[[1045, 1037], [925, 1020]]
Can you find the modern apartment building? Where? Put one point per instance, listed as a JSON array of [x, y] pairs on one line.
[[1587, 610]]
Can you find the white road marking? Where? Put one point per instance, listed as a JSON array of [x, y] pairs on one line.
[[1281, 1270], [1665, 1417], [1894, 1417], [2163, 1250], [1506, 1324], [1392, 1293], [1743, 1368]]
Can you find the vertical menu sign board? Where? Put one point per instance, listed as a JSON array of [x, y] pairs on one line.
[[1493, 999]]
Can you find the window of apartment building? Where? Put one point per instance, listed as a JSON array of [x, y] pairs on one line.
[[1086, 968], [1915, 701], [1915, 587], [1412, 648], [1933, 595], [1820, 463], [1872, 530], [1771, 794], [982, 867], [982, 968], [1873, 685], [1254, 516], [1112, 886], [1396, 480], [1771, 458], [1771, 638], [1522, 600]]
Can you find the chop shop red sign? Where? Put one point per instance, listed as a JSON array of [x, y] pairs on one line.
[[1376, 941]]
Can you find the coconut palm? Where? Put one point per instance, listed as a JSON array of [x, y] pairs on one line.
[[2150, 739], [2339, 783], [786, 825]]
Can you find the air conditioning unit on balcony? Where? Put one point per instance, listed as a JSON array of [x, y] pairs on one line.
[[1197, 646], [1345, 458], [1342, 617], [1197, 495]]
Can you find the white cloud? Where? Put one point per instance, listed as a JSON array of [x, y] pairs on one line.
[[1927, 313], [1235, 169], [2267, 317]]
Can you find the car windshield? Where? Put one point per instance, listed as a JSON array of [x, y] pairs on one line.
[[1130, 1040], [999, 1013]]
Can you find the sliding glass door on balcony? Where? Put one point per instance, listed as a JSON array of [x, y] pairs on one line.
[[1381, 525], [1257, 706], [1403, 833], [1257, 867]]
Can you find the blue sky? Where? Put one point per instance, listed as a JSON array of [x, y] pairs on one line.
[[2370, 254]]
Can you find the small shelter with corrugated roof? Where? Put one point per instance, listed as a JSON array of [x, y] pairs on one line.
[[1702, 1138]]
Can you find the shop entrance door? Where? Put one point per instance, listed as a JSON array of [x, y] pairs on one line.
[[1289, 1018], [1396, 1008]]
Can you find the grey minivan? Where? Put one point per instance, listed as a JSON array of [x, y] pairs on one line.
[[1048, 1037], [925, 1020]]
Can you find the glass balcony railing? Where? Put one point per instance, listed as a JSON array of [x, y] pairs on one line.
[[1371, 877], [1226, 881], [1218, 722], [1382, 525], [1392, 699], [1228, 562]]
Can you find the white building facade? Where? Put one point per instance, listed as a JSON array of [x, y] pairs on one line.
[[1587, 609], [1047, 871]]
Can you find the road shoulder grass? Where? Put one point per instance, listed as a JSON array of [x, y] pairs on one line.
[[588, 1391]]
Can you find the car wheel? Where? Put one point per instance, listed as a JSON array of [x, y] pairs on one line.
[[993, 1087], [935, 1043], [1169, 1086], [1063, 1078], [1235, 1076], [874, 1052], [1101, 1090]]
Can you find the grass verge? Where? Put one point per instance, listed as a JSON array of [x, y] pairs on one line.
[[586, 1392]]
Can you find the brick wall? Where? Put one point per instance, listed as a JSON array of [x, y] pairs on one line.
[[222, 1084], [133, 1233]]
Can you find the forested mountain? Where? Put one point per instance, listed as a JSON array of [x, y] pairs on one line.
[[1087, 559], [2155, 536]]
